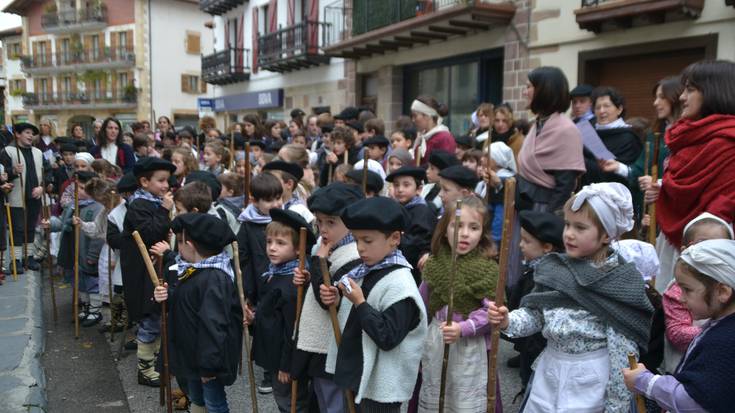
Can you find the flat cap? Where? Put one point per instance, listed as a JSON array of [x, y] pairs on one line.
[[295, 221], [127, 183], [544, 226], [208, 179], [461, 175], [379, 213], [20, 127], [150, 163], [581, 90], [348, 113], [288, 167], [408, 170], [334, 198], [443, 159], [379, 140], [374, 181], [204, 229]]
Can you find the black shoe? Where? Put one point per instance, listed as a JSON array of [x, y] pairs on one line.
[[18, 267], [131, 345], [32, 264], [514, 362], [266, 385], [92, 318], [146, 381]]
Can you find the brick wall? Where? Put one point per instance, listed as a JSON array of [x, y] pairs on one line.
[[516, 56]]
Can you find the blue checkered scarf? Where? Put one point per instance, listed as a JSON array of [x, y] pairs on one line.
[[417, 200], [293, 201], [359, 272], [348, 239], [285, 268], [142, 193], [251, 214], [220, 261]]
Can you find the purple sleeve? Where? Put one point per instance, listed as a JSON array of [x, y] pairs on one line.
[[476, 323], [424, 291], [668, 392]]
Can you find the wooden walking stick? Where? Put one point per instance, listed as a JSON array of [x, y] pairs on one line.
[[329, 174], [247, 174], [25, 210], [12, 242], [639, 401], [417, 152], [164, 322], [46, 214], [364, 173], [75, 293], [450, 305], [246, 333], [489, 167], [299, 302], [232, 150], [643, 234], [335, 327], [508, 218], [654, 178], [110, 268]]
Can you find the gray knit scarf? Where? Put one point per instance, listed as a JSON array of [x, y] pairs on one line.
[[616, 295]]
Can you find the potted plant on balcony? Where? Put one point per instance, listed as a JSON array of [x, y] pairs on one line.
[[17, 92], [130, 94]]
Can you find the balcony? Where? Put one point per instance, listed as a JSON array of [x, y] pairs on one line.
[[219, 7], [293, 48], [73, 20], [81, 100], [380, 26], [79, 60], [605, 15], [226, 66]]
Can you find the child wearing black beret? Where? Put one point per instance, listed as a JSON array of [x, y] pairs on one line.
[[416, 239], [339, 248], [438, 161], [541, 233], [205, 317], [384, 320], [456, 182], [374, 184], [275, 314]]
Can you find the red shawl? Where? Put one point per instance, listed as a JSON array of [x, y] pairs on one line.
[[700, 176]]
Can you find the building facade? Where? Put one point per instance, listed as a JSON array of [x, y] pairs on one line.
[[269, 58], [87, 60]]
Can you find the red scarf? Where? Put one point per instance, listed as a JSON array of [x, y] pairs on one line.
[[700, 176]]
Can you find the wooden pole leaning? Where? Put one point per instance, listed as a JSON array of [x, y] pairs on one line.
[[246, 333], [12, 242], [450, 305], [75, 294], [46, 214], [335, 327], [164, 322], [299, 303], [364, 173], [640, 403], [654, 178], [508, 219], [643, 235], [247, 175], [110, 292], [489, 167], [25, 210]]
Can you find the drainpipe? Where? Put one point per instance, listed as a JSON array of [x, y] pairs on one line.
[[150, 63]]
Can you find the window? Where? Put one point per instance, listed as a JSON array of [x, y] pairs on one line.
[[65, 51], [193, 43], [192, 84], [17, 87], [122, 81], [95, 47], [122, 43], [43, 93], [14, 50], [97, 89], [67, 86], [43, 53]]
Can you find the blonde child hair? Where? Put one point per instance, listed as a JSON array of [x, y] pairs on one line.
[[218, 148], [190, 162]]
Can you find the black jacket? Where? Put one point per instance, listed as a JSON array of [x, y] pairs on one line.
[[151, 221], [624, 144], [253, 258], [274, 323], [352, 158], [205, 320], [416, 240]]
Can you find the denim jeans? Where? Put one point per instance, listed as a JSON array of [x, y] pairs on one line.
[[149, 328], [210, 395]]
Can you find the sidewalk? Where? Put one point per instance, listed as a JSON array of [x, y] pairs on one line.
[[22, 380]]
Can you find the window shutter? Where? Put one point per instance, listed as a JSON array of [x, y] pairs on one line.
[[113, 84], [113, 45], [129, 41], [203, 86], [193, 43], [23, 86], [74, 83], [35, 53], [184, 84]]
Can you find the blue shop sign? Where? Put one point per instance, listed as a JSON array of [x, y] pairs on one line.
[[252, 100], [205, 103]]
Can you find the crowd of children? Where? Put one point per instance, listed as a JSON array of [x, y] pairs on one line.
[[381, 264]]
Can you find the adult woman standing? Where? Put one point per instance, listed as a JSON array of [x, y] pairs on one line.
[[165, 125], [252, 128], [504, 129], [45, 142], [427, 114], [700, 171], [618, 136], [111, 148], [484, 115]]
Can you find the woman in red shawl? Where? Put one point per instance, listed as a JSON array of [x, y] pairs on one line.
[[427, 114], [700, 175]]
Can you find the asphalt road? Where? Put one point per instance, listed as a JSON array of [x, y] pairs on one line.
[[82, 375]]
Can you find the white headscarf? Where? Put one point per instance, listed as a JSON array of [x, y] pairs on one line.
[[707, 215], [612, 203], [372, 166], [642, 254], [714, 258], [84, 156], [504, 158]]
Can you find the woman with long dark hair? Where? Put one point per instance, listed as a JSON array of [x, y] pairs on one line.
[[111, 148], [427, 115], [252, 128], [700, 171]]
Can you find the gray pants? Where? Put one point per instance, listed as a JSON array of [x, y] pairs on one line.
[[282, 395], [331, 398]]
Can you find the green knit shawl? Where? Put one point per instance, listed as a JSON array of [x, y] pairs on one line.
[[476, 278]]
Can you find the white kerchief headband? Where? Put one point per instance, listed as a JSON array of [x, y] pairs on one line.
[[707, 215], [421, 107], [714, 258], [612, 203], [84, 156]]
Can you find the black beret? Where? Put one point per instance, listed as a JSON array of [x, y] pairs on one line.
[[464, 140], [355, 125], [408, 170], [257, 142], [297, 113], [284, 166], [205, 230], [374, 181], [581, 90], [379, 213], [85, 176], [239, 141], [60, 140], [379, 140], [443, 159], [20, 127], [348, 113], [544, 226], [295, 221], [127, 183], [460, 175], [190, 130], [68, 147], [334, 198], [328, 128], [150, 163], [276, 146], [207, 178]]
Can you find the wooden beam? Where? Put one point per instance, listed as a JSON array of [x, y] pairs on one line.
[[471, 25], [429, 35], [448, 30], [375, 49], [413, 39], [389, 44]]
